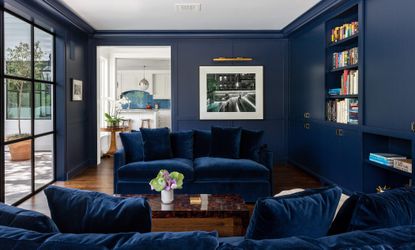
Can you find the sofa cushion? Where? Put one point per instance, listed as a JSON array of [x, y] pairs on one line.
[[401, 237], [77, 211], [147, 170], [21, 239], [380, 210], [202, 140], [307, 213], [182, 144], [270, 244], [157, 145], [133, 146], [20, 218], [212, 168], [226, 142], [251, 142], [167, 240]]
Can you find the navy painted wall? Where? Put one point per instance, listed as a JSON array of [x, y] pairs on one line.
[[72, 120], [190, 53]]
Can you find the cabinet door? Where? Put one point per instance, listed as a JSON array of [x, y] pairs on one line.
[[389, 64], [161, 86], [343, 164], [307, 91]]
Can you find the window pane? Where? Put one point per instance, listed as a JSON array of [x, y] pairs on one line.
[[43, 160], [18, 109], [18, 179], [43, 55], [43, 108], [17, 44]]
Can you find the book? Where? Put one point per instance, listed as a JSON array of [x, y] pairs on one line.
[[403, 164], [345, 58], [344, 31], [343, 111]]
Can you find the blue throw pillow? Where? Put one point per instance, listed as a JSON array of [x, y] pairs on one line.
[[157, 145], [202, 140], [307, 213], [20, 218], [133, 146], [182, 144], [77, 211], [251, 142], [170, 241], [380, 210], [226, 142], [21, 239]]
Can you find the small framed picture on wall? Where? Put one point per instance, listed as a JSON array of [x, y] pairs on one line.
[[77, 90]]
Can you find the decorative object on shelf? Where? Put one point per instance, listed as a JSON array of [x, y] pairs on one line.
[[165, 183], [143, 84], [77, 90], [231, 92], [403, 165], [380, 189], [232, 59], [112, 118]]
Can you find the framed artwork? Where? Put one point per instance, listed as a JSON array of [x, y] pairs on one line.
[[231, 93], [77, 90]]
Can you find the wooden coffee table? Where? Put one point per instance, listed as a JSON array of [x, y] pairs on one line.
[[227, 214]]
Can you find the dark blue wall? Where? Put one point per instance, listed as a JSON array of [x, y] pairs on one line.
[[190, 53], [72, 119]]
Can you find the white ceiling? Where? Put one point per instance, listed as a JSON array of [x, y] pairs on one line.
[[214, 14]]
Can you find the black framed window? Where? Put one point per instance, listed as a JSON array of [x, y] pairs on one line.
[[27, 158]]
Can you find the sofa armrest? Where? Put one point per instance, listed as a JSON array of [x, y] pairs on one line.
[[119, 161], [266, 158]]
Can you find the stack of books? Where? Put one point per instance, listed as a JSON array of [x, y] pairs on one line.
[[345, 58], [335, 91], [385, 158], [403, 165], [350, 82], [342, 32], [343, 111]]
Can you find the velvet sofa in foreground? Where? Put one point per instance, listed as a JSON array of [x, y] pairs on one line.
[[244, 166]]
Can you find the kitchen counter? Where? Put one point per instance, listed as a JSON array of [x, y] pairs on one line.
[[138, 110]]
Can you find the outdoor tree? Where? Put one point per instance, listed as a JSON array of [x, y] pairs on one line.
[[18, 63]]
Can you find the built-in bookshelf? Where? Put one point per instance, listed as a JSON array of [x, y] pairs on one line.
[[342, 68]]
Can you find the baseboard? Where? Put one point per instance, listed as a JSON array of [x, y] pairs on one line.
[[78, 169]]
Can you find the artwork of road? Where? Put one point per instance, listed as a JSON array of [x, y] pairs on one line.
[[244, 103]]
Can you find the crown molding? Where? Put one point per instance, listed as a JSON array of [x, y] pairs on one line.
[[320, 8], [60, 9]]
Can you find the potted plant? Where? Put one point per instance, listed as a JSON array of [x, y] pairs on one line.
[[17, 64], [165, 183], [114, 119]]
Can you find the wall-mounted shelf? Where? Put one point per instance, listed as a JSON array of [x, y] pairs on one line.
[[341, 96], [355, 66]]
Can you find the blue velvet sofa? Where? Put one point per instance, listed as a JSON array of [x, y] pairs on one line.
[[373, 221], [249, 174]]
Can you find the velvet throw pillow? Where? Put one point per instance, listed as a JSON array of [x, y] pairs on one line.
[[308, 213], [182, 144], [379, 210], [251, 142], [202, 140], [226, 142], [133, 146], [78, 211], [11, 216], [22, 239], [157, 144]]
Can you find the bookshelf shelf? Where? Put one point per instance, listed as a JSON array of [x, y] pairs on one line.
[[345, 41], [342, 96], [388, 168], [354, 66]]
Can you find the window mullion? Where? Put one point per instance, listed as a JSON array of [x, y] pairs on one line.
[[2, 170], [32, 100]]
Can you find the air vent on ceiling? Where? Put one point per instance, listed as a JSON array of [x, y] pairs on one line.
[[188, 7]]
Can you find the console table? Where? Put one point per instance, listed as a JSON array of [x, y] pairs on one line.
[[227, 214]]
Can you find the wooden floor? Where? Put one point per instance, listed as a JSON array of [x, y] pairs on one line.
[[100, 178]]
